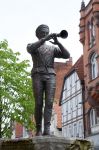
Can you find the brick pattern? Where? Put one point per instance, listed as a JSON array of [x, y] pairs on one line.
[[18, 130], [91, 11]]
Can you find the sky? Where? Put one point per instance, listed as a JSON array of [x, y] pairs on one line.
[[20, 18]]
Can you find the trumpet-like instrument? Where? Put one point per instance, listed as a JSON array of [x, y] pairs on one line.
[[63, 34]]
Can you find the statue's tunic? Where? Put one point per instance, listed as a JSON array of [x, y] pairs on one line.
[[43, 58]]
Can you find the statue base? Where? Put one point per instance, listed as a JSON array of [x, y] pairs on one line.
[[45, 143]]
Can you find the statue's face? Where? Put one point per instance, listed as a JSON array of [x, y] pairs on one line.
[[42, 31]]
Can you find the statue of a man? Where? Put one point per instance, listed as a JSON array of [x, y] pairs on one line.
[[43, 74]]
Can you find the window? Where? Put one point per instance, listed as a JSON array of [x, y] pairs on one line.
[[94, 118], [64, 132], [75, 129], [68, 86], [73, 83], [25, 132], [79, 100], [70, 131], [94, 66], [69, 107], [63, 96], [78, 85], [91, 33], [64, 109], [80, 129]]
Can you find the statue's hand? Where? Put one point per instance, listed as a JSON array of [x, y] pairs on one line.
[[55, 42], [50, 36]]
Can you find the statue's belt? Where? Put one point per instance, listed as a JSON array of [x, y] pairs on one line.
[[43, 70]]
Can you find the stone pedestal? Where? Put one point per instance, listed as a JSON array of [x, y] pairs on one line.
[[45, 143]]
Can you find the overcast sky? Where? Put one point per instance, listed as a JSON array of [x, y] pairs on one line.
[[19, 19]]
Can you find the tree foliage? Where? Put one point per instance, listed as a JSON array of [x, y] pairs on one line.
[[16, 98]]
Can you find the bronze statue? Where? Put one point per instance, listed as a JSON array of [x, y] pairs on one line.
[[43, 74]]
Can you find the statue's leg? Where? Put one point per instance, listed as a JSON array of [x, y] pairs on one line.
[[38, 94], [49, 97]]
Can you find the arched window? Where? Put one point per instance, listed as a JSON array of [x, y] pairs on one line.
[[94, 66]]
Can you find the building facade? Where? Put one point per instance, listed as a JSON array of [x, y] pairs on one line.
[[61, 68], [89, 37], [72, 102]]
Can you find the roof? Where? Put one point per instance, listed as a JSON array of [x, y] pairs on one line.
[[78, 67]]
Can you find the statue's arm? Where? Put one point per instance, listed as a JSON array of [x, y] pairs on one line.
[[65, 53], [61, 51], [32, 47]]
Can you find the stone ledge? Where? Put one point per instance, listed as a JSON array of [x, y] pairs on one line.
[[45, 143]]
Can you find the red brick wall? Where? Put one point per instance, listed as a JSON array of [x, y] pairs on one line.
[[90, 11], [86, 15], [18, 130]]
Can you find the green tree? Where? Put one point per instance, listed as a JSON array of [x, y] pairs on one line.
[[16, 98]]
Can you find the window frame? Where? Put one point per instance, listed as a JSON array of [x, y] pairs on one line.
[[93, 118], [91, 33], [93, 66]]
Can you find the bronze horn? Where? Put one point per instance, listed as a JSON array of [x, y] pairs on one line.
[[63, 34]]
